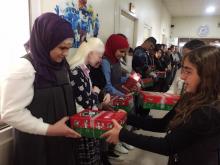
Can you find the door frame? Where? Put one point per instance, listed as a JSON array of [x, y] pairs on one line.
[[130, 16]]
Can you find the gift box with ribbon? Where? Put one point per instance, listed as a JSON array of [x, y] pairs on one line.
[[147, 82], [161, 74], [158, 100], [92, 124], [131, 82], [123, 102]]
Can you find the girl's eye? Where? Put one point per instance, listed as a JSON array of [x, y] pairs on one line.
[[186, 71], [63, 48]]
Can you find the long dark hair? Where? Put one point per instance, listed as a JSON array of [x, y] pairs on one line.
[[206, 60]]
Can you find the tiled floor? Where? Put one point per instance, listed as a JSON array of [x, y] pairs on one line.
[[141, 157]]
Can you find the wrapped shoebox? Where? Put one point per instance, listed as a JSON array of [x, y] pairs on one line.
[[123, 102], [158, 100], [161, 74], [92, 124], [150, 69], [132, 82], [147, 82]]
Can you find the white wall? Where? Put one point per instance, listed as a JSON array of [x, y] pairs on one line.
[[6, 146], [14, 31], [187, 27], [151, 12]]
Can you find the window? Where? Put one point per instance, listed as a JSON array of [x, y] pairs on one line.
[[15, 31]]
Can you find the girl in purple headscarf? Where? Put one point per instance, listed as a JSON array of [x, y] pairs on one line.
[[36, 97]]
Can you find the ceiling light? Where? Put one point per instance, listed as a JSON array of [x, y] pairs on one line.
[[210, 9]]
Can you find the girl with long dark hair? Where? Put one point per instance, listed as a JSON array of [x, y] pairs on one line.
[[193, 127]]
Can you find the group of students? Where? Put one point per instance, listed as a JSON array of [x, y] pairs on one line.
[[45, 87], [150, 57]]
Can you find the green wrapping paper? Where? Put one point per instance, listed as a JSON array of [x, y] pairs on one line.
[[157, 100]]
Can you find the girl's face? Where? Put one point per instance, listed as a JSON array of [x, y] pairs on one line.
[[190, 76], [94, 59], [121, 53], [158, 54], [58, 53], [185, 51]]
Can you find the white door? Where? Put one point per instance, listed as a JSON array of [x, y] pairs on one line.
[[147, 32], [127, 27], [164, 39]]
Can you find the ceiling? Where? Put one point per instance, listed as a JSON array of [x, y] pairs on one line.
[[191, 7]]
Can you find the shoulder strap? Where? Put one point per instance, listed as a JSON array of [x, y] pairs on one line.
[[28, 57]]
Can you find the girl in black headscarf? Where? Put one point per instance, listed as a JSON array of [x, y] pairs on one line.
[[36, 96]]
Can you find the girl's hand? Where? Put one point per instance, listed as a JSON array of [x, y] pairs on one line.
[[61, 129], [112, 136], [95, 89], [107, 99], [121, 110]]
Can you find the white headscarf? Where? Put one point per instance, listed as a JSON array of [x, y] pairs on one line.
[[92, 44]]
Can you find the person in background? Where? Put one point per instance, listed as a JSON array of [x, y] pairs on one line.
[[115, 48], [36, 96], [160, 62], [141, 59], [173, 61], [192, 128], [89, 54], [126, 62], [98, 79], [177, 53], [168, 60], [163, 48], [129, 58], [191, 45], [177, 84], [160, 65], [165, 54]]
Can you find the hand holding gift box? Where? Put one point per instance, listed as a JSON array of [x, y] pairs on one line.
[[150, 70], [132, 82], [161, 74], [147, 82], [92, 124], [123, 102], [157, 100]]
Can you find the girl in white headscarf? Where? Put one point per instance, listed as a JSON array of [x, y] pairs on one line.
[[88, 54]]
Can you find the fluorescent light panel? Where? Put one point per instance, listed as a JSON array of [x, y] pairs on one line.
[[210, 9]]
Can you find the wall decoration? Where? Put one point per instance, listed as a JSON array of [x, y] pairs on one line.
[[131, 7], [84, 20], [203, 30]]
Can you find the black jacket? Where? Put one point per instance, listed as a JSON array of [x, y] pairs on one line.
[[140, 61], [196, 142], [160, 64], [97, 77]]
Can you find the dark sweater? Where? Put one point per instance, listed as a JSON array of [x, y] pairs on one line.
[[160, 64], [140, 61], [97, 77], [183, 144]]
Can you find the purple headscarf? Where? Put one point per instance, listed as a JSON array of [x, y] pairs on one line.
[[49, 31]]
